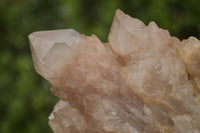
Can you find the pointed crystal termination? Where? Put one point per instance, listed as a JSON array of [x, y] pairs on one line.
[[47, 46], [141, 81]]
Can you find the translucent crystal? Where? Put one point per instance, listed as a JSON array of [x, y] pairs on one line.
[[142, 81]]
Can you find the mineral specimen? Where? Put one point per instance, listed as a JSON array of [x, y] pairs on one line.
[[142, 81]]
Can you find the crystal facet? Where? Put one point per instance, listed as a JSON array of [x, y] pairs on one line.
[[142, 81]]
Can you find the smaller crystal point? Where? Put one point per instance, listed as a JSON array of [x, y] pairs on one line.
[[50, 48], [122, 27]]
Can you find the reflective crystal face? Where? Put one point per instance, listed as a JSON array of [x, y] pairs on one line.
[[48, 46], [142, 81]]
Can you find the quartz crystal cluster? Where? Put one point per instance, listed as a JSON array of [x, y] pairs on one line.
[[142, 81]]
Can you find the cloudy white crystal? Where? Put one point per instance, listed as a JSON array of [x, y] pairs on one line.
[[141, 81]]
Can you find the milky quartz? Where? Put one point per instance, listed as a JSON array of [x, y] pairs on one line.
[[142, 81]]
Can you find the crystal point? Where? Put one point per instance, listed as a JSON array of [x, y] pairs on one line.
[[142, 81], [47, 46]]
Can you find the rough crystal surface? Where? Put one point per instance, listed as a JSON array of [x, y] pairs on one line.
[[142, 81]]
